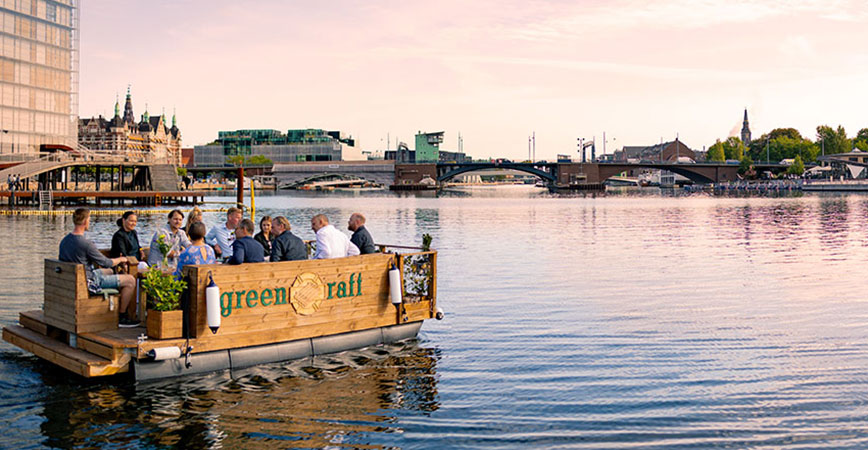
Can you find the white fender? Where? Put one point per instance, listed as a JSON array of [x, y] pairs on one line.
[[212, 304], [395, 288]]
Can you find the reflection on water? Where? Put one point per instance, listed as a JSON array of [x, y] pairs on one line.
[[345, 399], [595, 320]]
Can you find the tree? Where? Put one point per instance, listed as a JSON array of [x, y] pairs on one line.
[[235, 160], [745, 166], [861, 140], [182, 171], [258, 160], [833, 140], [733, 148], [798, 167], [716, 152]]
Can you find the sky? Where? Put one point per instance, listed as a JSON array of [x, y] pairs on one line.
[[493, 71]]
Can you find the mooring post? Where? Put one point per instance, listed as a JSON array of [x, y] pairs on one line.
[[239, 184]]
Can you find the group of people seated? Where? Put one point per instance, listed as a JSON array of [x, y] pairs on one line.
[[233, 241]]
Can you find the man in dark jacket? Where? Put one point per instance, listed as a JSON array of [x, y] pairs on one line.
[[286, 246], [361, 237], [245, 249]]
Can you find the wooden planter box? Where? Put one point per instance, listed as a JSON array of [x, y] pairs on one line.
[[165, 324]]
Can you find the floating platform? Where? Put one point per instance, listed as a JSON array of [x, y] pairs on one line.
[[269, 312]]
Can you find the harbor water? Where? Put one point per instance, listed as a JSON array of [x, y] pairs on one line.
[[588, 321]]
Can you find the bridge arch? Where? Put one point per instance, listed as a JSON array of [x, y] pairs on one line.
[[452, 171]]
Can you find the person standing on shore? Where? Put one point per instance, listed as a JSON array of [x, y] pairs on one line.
[[361, 237], [330, 243], [172, 235], [245, 249], [286, 246], [75, 248], [222, 236]]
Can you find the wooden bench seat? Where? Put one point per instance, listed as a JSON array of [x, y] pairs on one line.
[[70, 307]]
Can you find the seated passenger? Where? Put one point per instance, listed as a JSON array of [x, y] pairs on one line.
[[361, 237], [222, 236], [198, 252], [125, 241], [75, 248], [330, 243], [286, 246], [195, 215], [265, 236], [245, 249], [172, 235]]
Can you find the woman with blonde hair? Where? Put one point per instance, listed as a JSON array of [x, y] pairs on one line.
[[195, 215]]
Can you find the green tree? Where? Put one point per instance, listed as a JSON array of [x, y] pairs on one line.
[[833, 140], [182, 171], [861, 140], [745, 166], [235, 160], [798, 167], [716, 152], [733, 148], [258, 160]]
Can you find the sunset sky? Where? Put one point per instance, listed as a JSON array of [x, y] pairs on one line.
[[494, 71]]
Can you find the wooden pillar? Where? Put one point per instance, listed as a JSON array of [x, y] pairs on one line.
[[98, 177], [239, 185]]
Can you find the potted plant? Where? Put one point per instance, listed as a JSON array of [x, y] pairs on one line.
[[163, 297], [164, 249]]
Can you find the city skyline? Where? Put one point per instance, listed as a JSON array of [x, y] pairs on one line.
[[494, 73]]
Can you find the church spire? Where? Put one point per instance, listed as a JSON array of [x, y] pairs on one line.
[[745, 130], [117, 105], [129, 117]]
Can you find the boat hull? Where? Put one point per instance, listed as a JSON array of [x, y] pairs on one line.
[[240, 358]]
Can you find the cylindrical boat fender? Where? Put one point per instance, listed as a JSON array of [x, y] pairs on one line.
[[439, 314], [212, 304], [396, 291], [159, 354]]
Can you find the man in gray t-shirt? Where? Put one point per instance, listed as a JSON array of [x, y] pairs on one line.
[[75, 248]]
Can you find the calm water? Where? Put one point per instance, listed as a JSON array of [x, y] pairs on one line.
[[600, 321]]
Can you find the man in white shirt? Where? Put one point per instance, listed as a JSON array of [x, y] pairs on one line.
[[222, 236], [330, 243]]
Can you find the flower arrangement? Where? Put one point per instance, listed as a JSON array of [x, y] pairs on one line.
[[163, 290]]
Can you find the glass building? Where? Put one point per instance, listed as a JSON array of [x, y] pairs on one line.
[[38, 76], [301, 145]]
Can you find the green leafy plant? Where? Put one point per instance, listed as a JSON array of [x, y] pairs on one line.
[[426, 242], [163, 290], [163, 246]]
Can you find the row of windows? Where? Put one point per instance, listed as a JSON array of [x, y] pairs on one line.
[[40, 77], [58, 11], [33, 52], [16, 120], [32, 29], [29, 98]]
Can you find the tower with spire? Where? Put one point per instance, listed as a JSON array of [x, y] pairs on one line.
[[745, 130], [129, 117]]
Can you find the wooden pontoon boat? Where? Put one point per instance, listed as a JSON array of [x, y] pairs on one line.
[[268, 312]]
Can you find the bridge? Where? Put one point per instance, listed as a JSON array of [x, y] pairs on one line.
[[567, 173]]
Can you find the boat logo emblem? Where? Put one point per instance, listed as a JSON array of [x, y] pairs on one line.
[[307, 293]]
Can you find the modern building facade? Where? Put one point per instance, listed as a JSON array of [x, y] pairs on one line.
[[38, 76], [427, 151], [150, 137], [300, 145]]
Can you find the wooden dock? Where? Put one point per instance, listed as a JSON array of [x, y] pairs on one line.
[[105, 198]]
